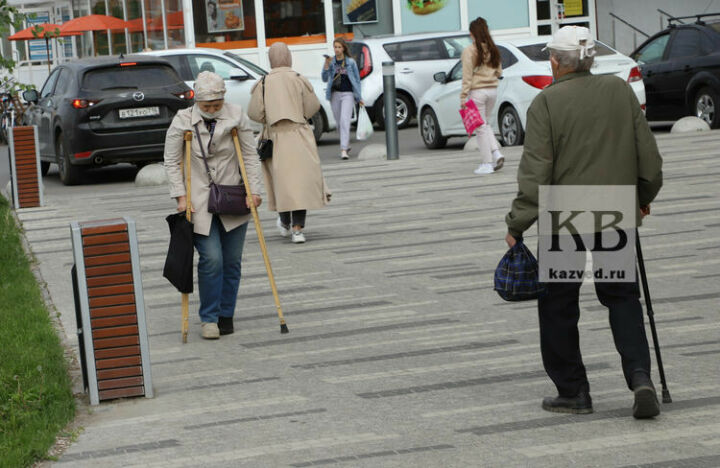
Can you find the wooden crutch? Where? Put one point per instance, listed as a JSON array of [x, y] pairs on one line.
[[188, 216], [258, 228]]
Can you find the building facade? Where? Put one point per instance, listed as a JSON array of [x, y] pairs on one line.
[[249, 27]]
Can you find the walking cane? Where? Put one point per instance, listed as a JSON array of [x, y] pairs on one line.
[[258, 228], [188, 216], [651, 317]]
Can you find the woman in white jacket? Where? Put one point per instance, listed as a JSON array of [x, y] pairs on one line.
[[481, 73]]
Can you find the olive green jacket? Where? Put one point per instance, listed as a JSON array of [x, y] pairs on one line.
[[585, 129]]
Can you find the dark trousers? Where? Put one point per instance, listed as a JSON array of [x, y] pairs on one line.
[[559, 341], [293, 218]]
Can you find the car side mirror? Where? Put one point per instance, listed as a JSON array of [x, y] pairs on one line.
[[440, 77], [240, 77], [31, 96]]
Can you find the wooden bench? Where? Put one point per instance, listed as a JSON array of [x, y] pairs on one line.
[[27, 189], [112, 330]]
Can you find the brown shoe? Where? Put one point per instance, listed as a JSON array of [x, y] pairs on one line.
[[210, 331]]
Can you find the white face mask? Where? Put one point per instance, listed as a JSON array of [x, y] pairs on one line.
[[208, 115]]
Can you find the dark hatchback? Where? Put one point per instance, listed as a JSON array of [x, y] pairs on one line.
[[99, 111], [681, 70]]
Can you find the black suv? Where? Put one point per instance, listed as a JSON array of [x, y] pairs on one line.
[[681, 70], [98, 111]]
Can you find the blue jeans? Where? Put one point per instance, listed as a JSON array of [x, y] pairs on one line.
[[219, 269]]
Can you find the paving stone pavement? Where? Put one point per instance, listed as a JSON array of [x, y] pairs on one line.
[[399, 352]]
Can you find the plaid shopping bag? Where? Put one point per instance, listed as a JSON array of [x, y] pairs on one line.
[[471, 117], [516, 276]]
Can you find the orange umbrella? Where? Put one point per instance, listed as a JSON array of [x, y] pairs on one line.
[[41, 31], [94, 23]]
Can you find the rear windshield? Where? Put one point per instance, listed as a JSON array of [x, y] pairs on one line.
[[536, 53], [130, 77]]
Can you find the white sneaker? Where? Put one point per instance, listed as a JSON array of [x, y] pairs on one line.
[[285, 232], [298, 237], [483, 169], [498, 160], [210, 331], [344, 154]]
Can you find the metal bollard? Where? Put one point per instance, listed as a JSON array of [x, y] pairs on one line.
[[391, 131]]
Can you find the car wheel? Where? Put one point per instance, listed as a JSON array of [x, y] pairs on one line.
[[44, 167], [430, 130], [317, 123], [69, 174], [706, 106], [511, 131], [403, 111]]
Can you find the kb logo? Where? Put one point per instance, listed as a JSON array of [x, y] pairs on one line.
[[587, 232]]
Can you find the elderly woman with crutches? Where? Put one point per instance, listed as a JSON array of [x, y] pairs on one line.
[[218, 238]]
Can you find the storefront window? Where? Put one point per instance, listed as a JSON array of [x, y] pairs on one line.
[[175, 22], [225, 21], [428, 17], [301, 20], [118, 38], [136, 30], [154, 20], [507, 14]]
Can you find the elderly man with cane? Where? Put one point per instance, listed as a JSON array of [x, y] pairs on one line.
[[587, 130]]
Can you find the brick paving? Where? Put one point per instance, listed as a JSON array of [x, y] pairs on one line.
[[399, 352]]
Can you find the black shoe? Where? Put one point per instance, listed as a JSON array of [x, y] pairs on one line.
[[579, 404], [646, 404], [225, 324]]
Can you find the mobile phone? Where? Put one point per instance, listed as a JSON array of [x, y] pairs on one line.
[[326, 56]]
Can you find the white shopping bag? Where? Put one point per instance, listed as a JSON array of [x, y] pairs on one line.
[[364, 125]]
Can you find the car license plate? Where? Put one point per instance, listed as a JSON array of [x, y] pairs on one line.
[[139, 112]]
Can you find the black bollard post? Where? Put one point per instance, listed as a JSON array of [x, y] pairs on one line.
[[391, 131]]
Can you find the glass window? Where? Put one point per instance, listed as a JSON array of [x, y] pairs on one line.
[[685, 43], [179, 63], [63, 82], [455, 45], [246, 63], [536, 53], [653, 51], [294, 18], [117, 39], [201, 63], [708, 45], [507, 59], [137, 77], [225, 21], [456, 72], [543, 9], [427, 49], [136, 30], [393, 50], [47, 88]]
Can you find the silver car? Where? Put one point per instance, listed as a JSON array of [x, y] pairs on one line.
[[239, 75], [417, 58]]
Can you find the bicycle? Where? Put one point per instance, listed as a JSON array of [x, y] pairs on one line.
[[8, 117]]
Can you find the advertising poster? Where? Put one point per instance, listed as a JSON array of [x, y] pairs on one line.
[[573, 8], [359, 11], [224, 15], [430, 15], [36, 47]]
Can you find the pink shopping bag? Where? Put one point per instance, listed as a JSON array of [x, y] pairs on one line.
[[471, 117]]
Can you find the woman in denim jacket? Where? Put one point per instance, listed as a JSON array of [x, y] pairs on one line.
[[343, 90]]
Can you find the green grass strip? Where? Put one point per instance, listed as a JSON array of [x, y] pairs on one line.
[[36, 399]]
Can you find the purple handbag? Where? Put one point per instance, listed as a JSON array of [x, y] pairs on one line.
[[224, 199]]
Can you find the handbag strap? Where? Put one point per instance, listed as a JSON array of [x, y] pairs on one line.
[[265, 129], [202, 151]]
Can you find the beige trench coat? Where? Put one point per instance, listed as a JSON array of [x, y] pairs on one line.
[[221, 158], [293, 177]]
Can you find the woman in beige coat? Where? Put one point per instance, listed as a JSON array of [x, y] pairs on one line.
[[218, 239], [284, 101]]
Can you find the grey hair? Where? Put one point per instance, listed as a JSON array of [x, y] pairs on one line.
[[571, 59]]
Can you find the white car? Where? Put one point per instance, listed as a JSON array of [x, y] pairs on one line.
[[240, 75], [526, 71]]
